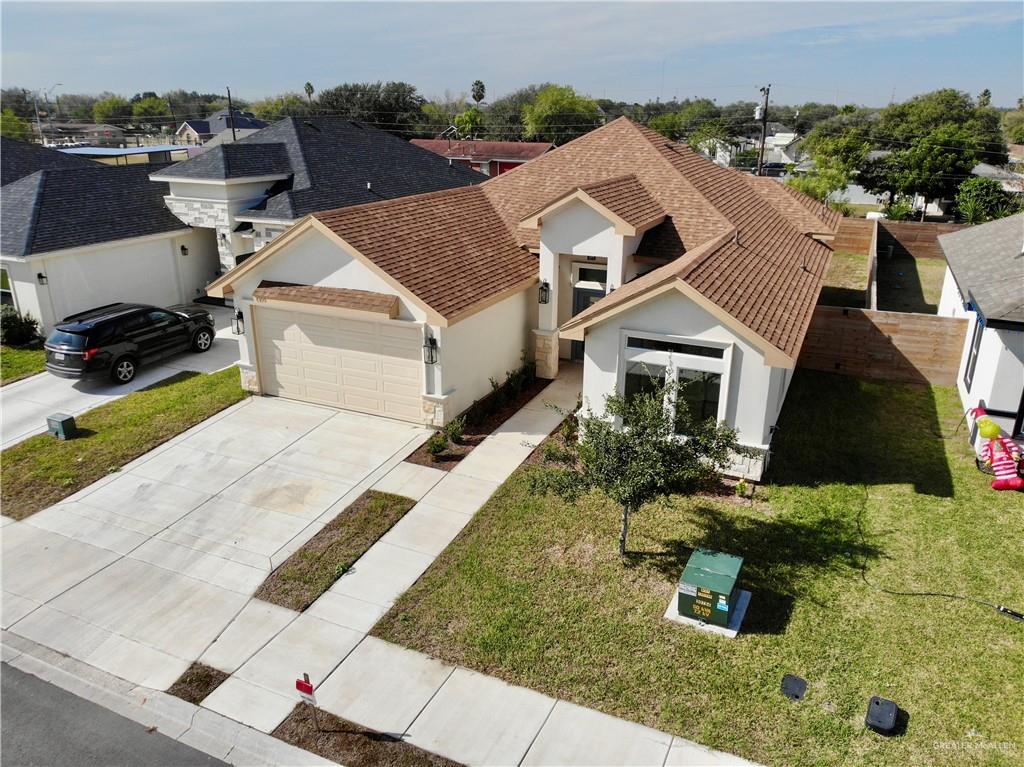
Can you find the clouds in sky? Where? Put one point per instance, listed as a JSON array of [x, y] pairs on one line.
[[635, 51]]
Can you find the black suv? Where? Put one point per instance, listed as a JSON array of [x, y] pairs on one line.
[[113, 340]]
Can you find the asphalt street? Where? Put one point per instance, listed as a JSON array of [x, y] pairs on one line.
[[44, 726]]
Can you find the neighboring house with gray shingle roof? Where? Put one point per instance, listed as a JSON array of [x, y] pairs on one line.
[[199, 131], [19, 159], [79, 237], [251, 190], [985, 284]]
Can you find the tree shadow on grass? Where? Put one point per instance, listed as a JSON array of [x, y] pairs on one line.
[[782, 558], [841, 429]]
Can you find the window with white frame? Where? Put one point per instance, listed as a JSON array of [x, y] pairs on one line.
[[972, 354], [700, 368]]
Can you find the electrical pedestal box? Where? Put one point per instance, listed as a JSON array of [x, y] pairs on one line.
[[707, 587]]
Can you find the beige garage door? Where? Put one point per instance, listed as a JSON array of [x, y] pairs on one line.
[[365, 365]]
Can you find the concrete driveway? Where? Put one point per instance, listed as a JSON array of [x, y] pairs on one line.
[[25, 404], [138, 573]]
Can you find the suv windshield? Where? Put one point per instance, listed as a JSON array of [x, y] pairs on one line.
[[61, 338]]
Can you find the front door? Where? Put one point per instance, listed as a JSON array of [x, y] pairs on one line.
[[581, 299]]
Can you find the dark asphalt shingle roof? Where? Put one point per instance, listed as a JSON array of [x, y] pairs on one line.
[[19, 159], [69, 208], [987, 262], [331, 161], [234, 160]]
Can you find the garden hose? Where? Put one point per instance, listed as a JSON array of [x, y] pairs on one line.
[[1001, 609]]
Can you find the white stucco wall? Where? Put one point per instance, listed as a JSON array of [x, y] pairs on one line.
[[755, 391], [485, 345], [999, 371], [144, 270], [951, 303], [571, 235]]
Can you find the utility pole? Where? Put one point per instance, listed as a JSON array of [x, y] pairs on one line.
[[764, 126], [39, 125], [231, 115]]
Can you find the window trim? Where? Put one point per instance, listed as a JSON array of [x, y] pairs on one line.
[[974, 350], [672, 362], [589, 284]]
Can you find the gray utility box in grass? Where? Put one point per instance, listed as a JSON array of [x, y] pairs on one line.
[[707, 587]]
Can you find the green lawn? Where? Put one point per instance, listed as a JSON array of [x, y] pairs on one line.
[[311, 570], [20, 363], [846, 281], [860, 209], [533, 591], [910, 284], [43, 470]]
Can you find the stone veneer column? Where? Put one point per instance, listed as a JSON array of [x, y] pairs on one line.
[[433, 410], [250, 379], [545, 353]]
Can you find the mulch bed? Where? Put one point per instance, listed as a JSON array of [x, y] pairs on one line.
[[198, 681], [476, 433], [352, 745], [324, 558]]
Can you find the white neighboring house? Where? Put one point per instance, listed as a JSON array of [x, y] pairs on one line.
[[76, 238], [616, 249], [985, 283]]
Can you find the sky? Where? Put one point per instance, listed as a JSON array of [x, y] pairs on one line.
[[863, 53]]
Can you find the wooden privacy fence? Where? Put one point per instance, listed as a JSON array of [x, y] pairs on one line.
[[855, 235], [912, 239], [888, 346]]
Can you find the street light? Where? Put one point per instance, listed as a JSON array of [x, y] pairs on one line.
[[49, 117]]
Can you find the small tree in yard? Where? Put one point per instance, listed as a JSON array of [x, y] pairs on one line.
[[635, 454]]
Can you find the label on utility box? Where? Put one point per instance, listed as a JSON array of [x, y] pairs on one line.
[[686, 588]]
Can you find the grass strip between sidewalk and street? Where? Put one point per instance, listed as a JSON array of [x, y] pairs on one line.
[[198, 681], [16, 364], [311, 570], [43, 470], [346, 743]]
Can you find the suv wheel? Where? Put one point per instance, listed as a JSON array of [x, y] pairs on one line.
[[202, 340], [123, 371]]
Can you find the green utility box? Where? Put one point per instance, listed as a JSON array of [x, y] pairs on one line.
[[707, 587]]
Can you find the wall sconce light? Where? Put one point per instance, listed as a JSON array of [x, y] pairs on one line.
[[184, 250], [544, 293], [238, 323], [430, 351], [41, 278]]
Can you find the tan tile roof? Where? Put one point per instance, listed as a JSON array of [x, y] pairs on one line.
[[344, 298], [809, 215], [483, 150], [457, 249], [628, 199], [674, 270], [617, 149], [449, 248]]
